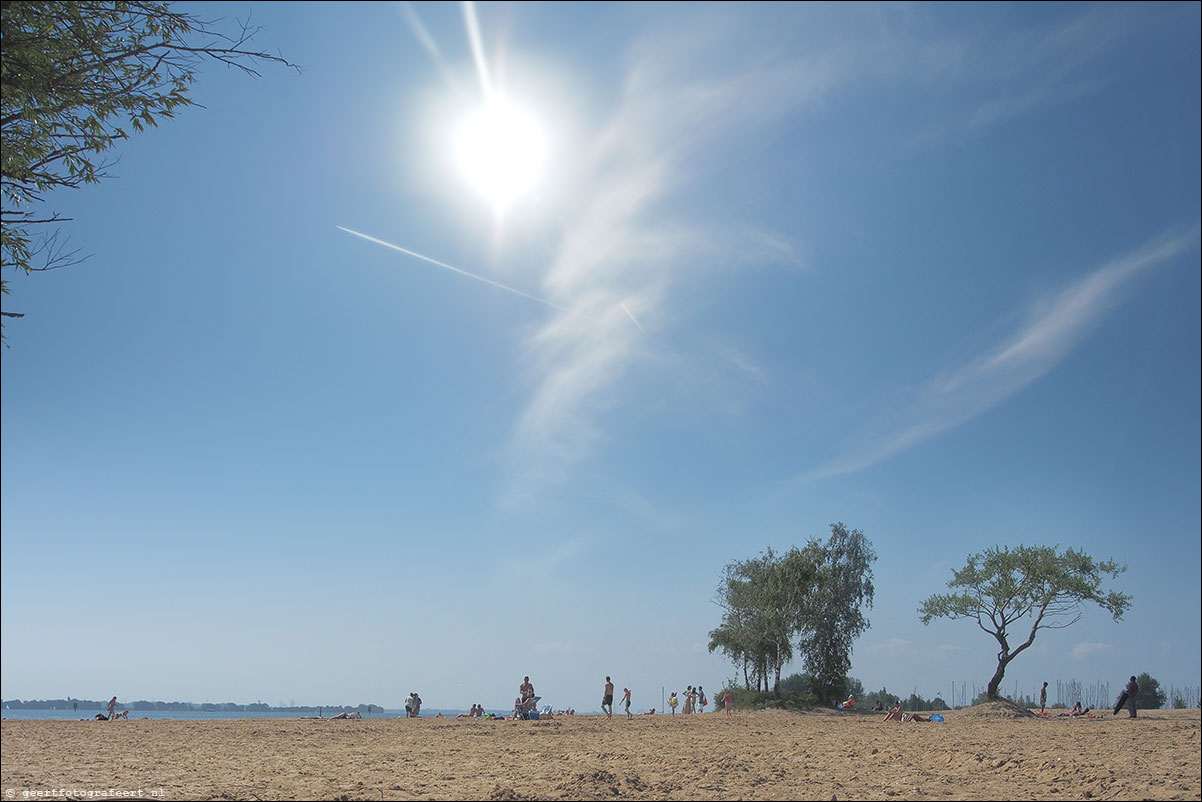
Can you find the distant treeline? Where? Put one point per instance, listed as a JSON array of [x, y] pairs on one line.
[[188, 707]]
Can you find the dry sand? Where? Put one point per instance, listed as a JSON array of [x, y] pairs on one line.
[[975, 754]]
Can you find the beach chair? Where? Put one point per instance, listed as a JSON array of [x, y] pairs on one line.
[[529, 706]]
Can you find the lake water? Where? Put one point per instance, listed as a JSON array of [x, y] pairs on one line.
[[198, 715]]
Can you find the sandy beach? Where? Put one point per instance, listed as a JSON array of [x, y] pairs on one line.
[[974, 754]]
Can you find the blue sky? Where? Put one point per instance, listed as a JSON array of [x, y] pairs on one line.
[[931, 271]]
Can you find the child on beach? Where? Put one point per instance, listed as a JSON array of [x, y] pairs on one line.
[[672, 702]]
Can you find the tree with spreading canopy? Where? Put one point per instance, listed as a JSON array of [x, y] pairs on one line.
[[998, 588], [77, 77], [814, 594]]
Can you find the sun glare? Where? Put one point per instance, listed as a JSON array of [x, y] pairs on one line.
[[500, 151]]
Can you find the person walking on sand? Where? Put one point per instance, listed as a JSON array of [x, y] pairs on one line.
[[607, 698], [113, 706], [1043, 698], [727, 702], [626, 701]]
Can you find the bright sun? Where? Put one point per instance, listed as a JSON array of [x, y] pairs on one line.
[[500, 151]]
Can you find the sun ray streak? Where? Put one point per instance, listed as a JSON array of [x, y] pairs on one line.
[[473, 35], [462, 272], [424, 38]]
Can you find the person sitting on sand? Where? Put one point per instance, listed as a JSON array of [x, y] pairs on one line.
[[1074, 711], [849, 704], [878, 707], [895, 712]]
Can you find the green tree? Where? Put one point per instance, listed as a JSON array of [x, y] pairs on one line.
[[796, 683], [762, 599], [77, 78], [813, 594], [998, 588], [833, 616], [1150, 697]]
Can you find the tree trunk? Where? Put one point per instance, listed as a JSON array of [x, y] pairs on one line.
[[991, 692]]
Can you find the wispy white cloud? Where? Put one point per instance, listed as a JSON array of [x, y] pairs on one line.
[[1053, 326], [995, 71], [622, 249], [1087, 649], [693, 102]]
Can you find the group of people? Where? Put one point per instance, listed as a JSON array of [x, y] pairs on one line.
[[477, 711], [607, 699], [694, 700], [525, 702], [524, 705], [1128, 698]]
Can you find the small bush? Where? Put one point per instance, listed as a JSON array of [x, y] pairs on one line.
[[743, 699]]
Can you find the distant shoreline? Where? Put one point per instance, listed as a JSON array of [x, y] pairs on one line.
[[143, 705]]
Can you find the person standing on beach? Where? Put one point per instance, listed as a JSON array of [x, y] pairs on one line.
[[607, 699], [113, 706], [672, 702], [1132, 693], [727, 702], [1043, 697], [626, 701], [701, 699]]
